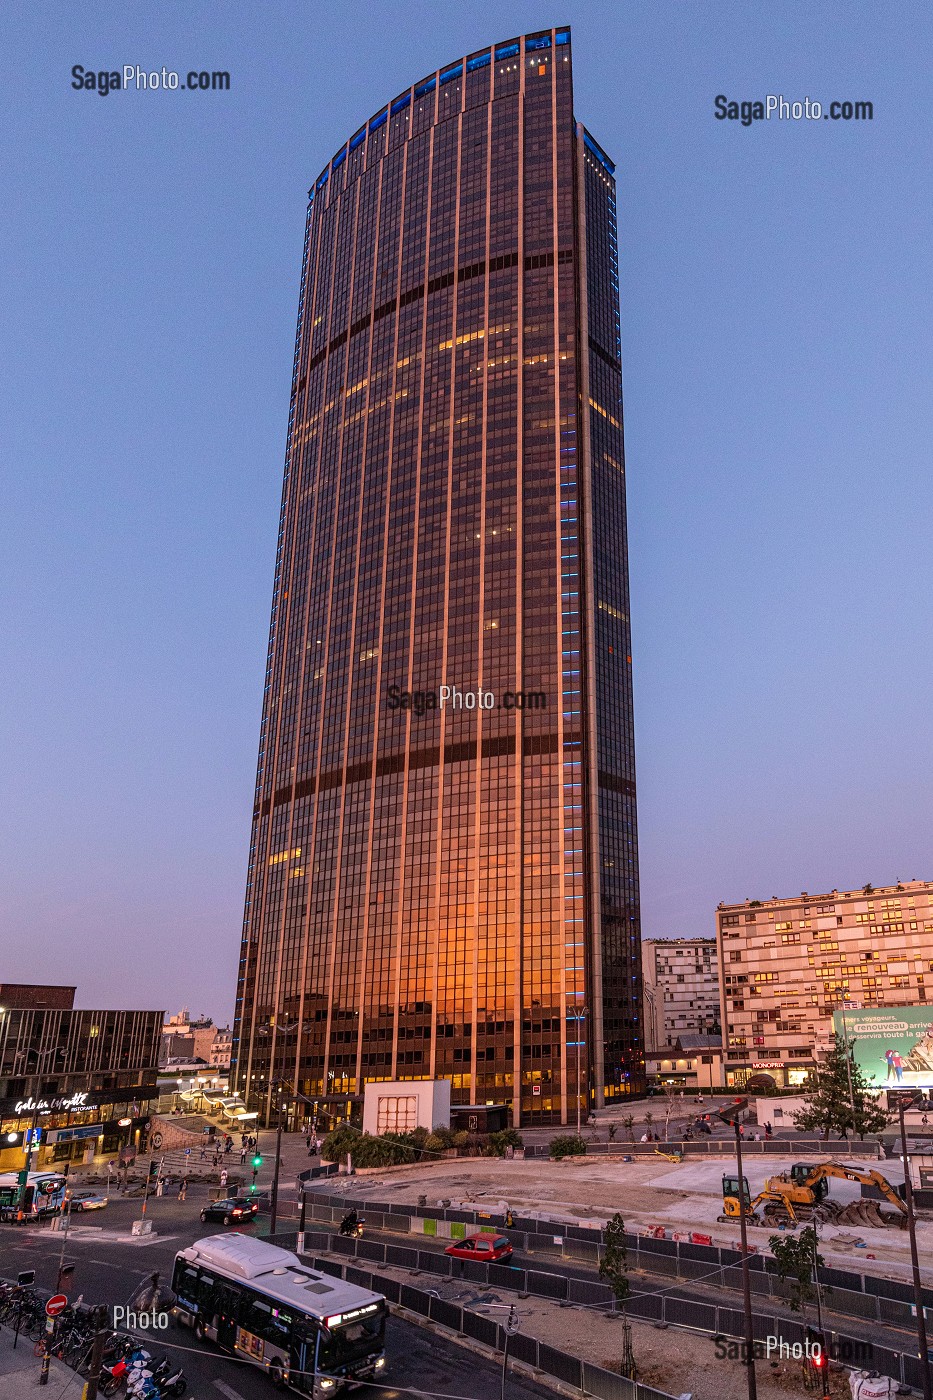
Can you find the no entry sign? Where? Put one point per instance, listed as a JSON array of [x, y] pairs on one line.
[[56, 1305]]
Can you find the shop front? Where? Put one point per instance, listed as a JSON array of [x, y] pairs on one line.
[[73, 1128]]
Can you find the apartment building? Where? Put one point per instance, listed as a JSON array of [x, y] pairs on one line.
[[681, 985], [785, 965]]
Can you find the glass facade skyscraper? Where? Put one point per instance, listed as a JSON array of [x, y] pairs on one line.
[[443, 875]]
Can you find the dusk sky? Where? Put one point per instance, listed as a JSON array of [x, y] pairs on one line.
[[776, 336]]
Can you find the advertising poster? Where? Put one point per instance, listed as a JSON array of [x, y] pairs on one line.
[[892, 1046]]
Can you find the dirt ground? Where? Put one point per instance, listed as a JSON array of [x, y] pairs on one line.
[[671, 1359], [685, 1196]]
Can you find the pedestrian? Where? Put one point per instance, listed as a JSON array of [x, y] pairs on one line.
[[242, 1155], [183, 1188], [203, 1153], [243, 1142], [227, 1146], [769, 1131], [223, 1177]]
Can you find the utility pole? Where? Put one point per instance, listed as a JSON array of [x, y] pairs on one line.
[[274, 1204], [914, 1261], [731, 1114]]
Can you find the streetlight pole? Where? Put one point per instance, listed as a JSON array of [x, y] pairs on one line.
[[914, 1260], [731, 1114], [274, 1204]]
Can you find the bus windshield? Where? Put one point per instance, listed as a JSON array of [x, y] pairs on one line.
[[351, 1340]]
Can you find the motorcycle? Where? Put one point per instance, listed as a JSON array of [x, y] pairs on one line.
[[352, 1229]]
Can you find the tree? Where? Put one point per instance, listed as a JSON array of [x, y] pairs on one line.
[[795, 1259], [628, 1123], [670, 1095], [613, 1268], [613, 1130], [832, 1105]]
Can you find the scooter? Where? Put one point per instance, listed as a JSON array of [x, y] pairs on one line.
[[169, 1377]]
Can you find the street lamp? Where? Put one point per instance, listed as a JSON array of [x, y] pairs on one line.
[[731, 1114], [902, 1105]]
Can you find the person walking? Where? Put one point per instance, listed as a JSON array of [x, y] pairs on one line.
[[203, 1153], [242, 1154], [223, 1177], [183, 1188]]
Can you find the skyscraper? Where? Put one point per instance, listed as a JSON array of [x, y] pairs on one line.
[[443, 874]]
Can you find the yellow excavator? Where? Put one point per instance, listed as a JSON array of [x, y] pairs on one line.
[[801, 1194]]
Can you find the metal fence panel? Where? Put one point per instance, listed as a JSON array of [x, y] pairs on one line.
[[416, 1300], [433, 1263], [546, 1285], [649, 1305], [447, 1314], [702, 1315], [482, 1329], [606, 1385], [582, 1291], [369, 1249], [559, 1364], [524, 1348], [401, 1256]]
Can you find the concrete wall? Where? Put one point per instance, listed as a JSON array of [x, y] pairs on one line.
[[400, 1105]]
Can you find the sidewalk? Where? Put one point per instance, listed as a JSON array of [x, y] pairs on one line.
[[19, 1372]]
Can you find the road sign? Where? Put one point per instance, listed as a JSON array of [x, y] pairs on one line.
[[56, 1305]]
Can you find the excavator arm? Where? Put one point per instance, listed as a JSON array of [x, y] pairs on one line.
[[866, 1178]]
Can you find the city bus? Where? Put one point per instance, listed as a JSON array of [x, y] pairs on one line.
[[309, 1331], [44, 1194]]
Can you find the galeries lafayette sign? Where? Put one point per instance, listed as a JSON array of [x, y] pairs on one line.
[[52, 1105]]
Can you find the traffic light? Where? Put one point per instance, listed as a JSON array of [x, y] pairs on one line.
[[257, 1162], [154, 1166]]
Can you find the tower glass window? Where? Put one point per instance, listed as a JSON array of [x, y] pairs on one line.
[[443, 886]]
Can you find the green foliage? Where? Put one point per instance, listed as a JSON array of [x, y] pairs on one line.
[[507, 1137], [830, 1108], [366, 1150], [434, 1144], [444, 1133], [628, 1123], [567, 1145], [461, 1138], [613, 1266], [795, 1258]]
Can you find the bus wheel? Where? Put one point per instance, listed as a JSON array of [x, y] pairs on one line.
[[199, 1331]]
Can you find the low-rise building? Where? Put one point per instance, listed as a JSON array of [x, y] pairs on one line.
[[76, 1081], [785, 965], [692, 1062], [681, 986]]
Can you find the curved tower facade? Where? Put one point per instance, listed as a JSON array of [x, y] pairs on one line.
[[443, 870]]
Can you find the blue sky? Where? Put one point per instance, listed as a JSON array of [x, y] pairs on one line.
[[776, 326]]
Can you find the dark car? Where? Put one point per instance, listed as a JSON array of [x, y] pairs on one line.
[[235, 1210], [486, 1249]]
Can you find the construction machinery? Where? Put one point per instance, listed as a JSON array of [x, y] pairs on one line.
[[801, 1194]]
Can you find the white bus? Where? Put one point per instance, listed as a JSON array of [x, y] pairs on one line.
[[311, 1332], [44, 1194]]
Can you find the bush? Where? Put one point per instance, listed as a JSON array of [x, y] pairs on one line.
[[568, 1145], [508, 1137], [445, 1134], [365, 1149], [434, 1143], [461, 1138]]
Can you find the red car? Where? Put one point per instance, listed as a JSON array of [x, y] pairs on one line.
[[486, 1249]]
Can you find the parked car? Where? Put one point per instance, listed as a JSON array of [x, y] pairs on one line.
[[486, 1249], [87, 1200], [234, 1210]]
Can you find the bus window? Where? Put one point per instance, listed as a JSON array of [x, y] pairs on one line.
[[341, 1345]]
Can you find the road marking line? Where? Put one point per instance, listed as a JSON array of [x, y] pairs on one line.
[[228, 1390]]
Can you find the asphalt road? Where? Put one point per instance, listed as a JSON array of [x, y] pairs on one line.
[[108, 1271]]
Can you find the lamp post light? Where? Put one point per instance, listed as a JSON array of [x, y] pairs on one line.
[[902, 1105], [731, 1114]]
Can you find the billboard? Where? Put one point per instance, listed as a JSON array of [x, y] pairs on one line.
[[892, 1046]]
